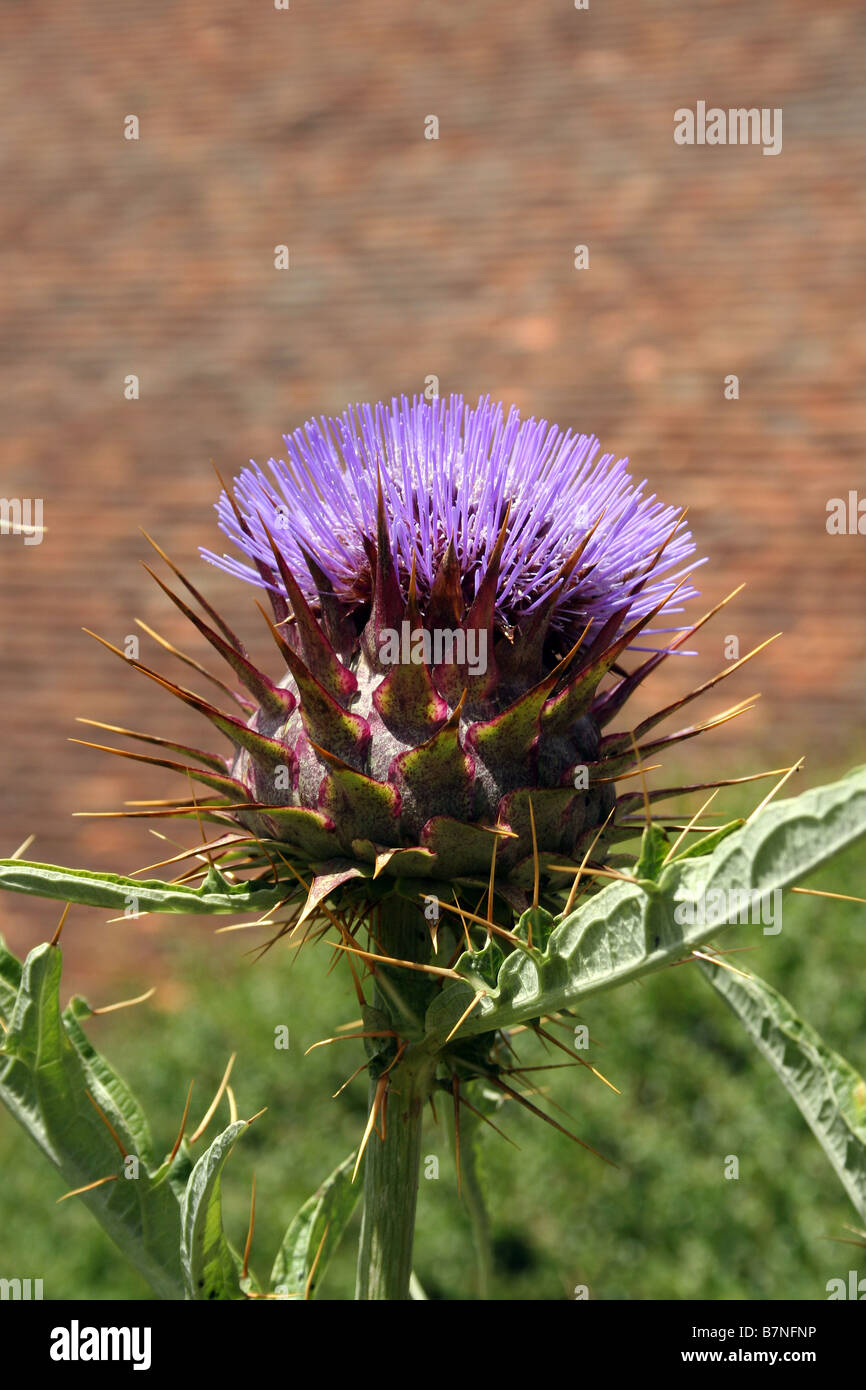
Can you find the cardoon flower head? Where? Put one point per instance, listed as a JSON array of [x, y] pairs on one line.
[[453, 592]]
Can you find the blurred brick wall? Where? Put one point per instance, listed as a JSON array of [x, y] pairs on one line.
[[410, 257]]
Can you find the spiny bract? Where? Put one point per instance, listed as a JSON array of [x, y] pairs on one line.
[[450, 588]]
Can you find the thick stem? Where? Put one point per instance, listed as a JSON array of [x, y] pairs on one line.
[[391, 1164], [391, 1191]]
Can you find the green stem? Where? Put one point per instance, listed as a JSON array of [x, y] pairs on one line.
[[391, 1165], [391, 1191]]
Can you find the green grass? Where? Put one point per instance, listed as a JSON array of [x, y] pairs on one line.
[[664, 1224]]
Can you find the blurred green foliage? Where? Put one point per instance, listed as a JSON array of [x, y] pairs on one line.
[[665, 1224]]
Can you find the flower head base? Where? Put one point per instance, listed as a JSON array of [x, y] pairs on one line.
[[582, 542]]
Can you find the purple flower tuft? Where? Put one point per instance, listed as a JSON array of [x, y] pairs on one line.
[[449, 472]]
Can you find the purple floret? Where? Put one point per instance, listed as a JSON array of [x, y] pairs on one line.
[[449, 472]]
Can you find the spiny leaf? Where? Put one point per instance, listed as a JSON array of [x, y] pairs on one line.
[[315, 1233], [624, 932], [211, 1268], [52, 1080], [831, 1095], [215, 895]]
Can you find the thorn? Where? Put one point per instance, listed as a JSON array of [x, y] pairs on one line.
[[695, 818], [265, 854], [550, 1038], [689, 960], [124, 1003], [224, 843], [488, 1121], [466, 935], [658, 718], [320, 906], [732, 781], [199, 819], [216, 1100], [567, 568], [817, 893], [374, 1109], [492, 877], [245, 705], [368, 1033], [213, 761], [635, 771], [667, 824], [483, 921], [663, 793], [547, 1066], [515, 1095], [268, 921], [359, 991], [211, 612], [77, 1191], [614, 700], [406, 964], [466, 1012], [25, 845], [108, 1125], [182, 1125], [308, 1287], [180, 692], [778, 787], [349, 1080], [692, 730], [233, 1106], [646, 802], [247, 1247], [56, 937], [535, 865], [209, 776], [653, 561], [506, 1037], [544, 1092], [585, 861], [713, 960], [596, 873], [562, 666], [395, 1059]]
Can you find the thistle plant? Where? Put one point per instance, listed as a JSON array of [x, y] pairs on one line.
[[440, 782]]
